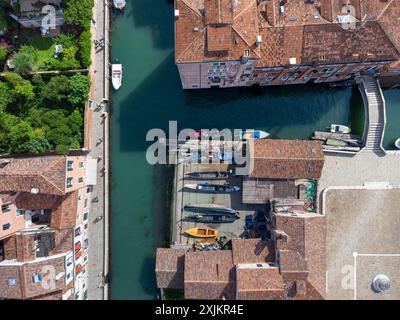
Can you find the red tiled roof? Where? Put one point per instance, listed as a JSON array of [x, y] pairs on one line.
[[209, 275], [170, 267], [287, 159], [259, 284], [47, 173], [303, 31], [252, 251], [211, 30]]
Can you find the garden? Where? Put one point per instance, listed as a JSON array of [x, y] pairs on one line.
[[44, 84]]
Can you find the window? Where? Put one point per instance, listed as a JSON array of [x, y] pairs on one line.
[[80, 180], [81, 164], [70, 165], [6, 226], [85, 216], [88, 189], [77, 231], [85, 203], [37, 278], [20, 212], [6, 207], [85, 226], [69, 182], [12, 282]]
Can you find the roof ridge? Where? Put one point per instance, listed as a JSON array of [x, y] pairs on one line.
[[190, 7], [382, 27], [190, 44], [47, 169], [384, 10], [244, 40], [244, 10]]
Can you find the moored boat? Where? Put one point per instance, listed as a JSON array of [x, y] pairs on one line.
[[211, 175], [220, 218], [116, 75], [397, 143], [209, 208], [119, 4], [339, 128], [202, 232], [253, 134], [207, 187]]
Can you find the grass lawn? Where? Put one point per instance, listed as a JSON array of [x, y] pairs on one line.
[[45, 47]]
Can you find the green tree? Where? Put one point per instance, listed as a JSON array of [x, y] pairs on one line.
[[21, 88], [24, 60], [79, 86], [78, 12], [3, 55], [56, 89], [6, 96], [85, 45]]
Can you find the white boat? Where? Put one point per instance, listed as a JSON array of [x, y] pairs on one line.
[[339, 128], [397, 143], [116, 75], [253, 134], [119, 4]]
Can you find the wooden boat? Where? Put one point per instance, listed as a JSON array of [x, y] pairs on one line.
[[119, 4], [116, 75], [220, 218], [202, 232], [211, 175], [335, 142], [397, 143], [209, 208], [253, 134], [339, 128], [217, 188]]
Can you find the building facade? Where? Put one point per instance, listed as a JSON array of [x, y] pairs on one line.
[[230, 43], [45, 209]]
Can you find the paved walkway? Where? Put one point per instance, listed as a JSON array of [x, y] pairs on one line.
[[98, 227]]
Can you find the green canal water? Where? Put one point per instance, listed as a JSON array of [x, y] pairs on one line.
[[151, 95]]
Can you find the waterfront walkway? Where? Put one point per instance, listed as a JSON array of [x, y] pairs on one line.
[[97, 268]]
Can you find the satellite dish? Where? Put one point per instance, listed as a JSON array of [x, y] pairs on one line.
[[381, 283]]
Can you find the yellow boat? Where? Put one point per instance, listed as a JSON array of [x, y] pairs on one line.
[[202, 232]]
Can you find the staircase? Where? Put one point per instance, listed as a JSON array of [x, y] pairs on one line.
[[375, 114]]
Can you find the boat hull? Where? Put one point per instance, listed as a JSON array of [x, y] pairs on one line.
[[212, 218], [210, 175], [210, 209], [213, 188], [202, 232], [397, 143], [253, 134]]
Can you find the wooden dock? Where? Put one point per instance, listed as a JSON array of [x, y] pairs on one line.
[[346, 137]]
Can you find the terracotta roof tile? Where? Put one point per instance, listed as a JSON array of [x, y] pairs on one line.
[[219, 38], [259, 284], [252, 251], [47, 173], [302, 31], [30, 201], [209, 275], [170, 267], [287, 159]]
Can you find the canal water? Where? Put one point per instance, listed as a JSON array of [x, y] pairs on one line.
[[151, 95]]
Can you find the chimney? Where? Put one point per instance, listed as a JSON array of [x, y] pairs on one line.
[[271, 11], [258, 41], [326, 10]]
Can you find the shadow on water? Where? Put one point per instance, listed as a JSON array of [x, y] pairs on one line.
[[144, 14], [160, 98], [147, 276]]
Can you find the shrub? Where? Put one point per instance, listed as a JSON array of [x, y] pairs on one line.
[[3, 55], [85, 44], [78, 12], [24, 60], [79, 86]]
